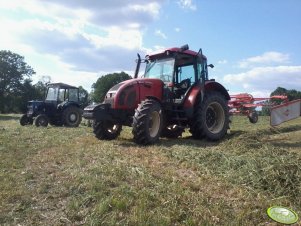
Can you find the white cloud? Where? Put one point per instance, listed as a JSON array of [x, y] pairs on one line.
[[160, 34], [187, 4], [222, 61], [177, 29], [266, 58], [266, 79], [77, 39]]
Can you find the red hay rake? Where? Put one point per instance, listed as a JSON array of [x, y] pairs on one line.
[[245, 104]]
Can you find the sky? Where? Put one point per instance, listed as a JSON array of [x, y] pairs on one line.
[[254, 45]]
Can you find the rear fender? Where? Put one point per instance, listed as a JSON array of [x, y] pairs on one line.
[[195, 92], [66, 104], [191, 96], [215, 86]]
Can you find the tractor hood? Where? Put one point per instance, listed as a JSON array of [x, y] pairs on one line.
[[34, 106], [35, 103], [126, 95]]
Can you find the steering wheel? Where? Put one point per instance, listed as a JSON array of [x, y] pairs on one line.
[[184, 84]]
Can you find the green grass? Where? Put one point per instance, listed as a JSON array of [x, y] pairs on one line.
[[65, 176]]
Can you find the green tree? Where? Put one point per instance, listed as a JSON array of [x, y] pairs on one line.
[[104, 83], [292, 94], [40, 89], [83, 96], [14, 79]]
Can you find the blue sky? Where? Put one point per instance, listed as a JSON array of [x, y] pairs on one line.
[[254, 45]]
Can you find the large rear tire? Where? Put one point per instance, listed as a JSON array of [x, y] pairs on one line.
[[105, 130], [72, 116], [211, 117], [25, 120], [147, 122]]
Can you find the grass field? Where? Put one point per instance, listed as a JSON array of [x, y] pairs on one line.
[[65, 176]]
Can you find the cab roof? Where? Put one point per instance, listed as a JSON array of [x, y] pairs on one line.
[[174, 50], [61, 85]]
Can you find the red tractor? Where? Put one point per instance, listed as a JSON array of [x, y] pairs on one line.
[[173, 94]]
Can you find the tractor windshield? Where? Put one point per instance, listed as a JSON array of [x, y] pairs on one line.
[[52, 93], [161, 69]]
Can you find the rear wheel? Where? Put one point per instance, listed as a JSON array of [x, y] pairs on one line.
[[72, 116], [147, 122], [211, 117], [25, 120], [105, 130], [172, 131], [41, 120]]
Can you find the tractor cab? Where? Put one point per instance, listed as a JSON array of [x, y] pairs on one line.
[[60, 107], [59, 94], [179, 69]]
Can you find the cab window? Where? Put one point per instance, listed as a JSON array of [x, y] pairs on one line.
[[52, 94], [73, 95], [62, 95], [185, 72]]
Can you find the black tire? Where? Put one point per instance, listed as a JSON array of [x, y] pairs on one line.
[[147, 122], [72, 116], [211, 119], [41, 120], [25, 120], [253, 117], [105, 130], [172, 131]]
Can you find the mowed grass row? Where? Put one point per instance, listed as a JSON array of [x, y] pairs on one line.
[[65, 176]]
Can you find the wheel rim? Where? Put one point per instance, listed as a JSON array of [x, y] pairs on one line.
[[113, 129], [72, 117], [154, 124], [42, 122], [172, 128], [215, 117]]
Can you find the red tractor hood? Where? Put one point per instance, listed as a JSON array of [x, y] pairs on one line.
[[128, 94]]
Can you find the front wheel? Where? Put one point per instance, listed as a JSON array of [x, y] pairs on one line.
[[105, 130], [41, 120], [25, 120], [147, 122], [72, 117]]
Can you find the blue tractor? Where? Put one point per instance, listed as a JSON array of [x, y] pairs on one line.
[[60, 107]]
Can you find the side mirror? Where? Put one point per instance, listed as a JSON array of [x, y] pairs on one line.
[[211, 65]]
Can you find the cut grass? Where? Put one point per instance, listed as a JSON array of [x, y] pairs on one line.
[[65, 176]]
